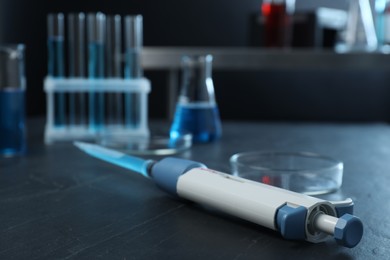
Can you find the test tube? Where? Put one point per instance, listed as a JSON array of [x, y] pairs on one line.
[[114, 46], [76, 41], [96, 52], [133, 68], [114, 67], [55, 46]]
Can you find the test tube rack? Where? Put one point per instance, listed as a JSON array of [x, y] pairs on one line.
[[80, 130], [95, 86]]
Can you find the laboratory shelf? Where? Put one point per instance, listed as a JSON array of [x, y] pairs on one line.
[[256, 59], [241, 58]]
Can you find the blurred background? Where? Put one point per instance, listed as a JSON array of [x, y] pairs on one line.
[[305, 94]]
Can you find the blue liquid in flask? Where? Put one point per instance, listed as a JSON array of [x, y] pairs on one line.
[[199, 119], [56, 61], [96, 99], [12, 128]]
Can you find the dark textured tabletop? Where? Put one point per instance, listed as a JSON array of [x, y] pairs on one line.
[[58, 203]]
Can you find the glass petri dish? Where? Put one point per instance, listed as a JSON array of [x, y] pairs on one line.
[[302, 172], [154, 145]]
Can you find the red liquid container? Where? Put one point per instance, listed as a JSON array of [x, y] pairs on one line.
[[277, 24]]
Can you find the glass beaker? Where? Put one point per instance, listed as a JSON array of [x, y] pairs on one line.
[[12, 100], [197, 111]]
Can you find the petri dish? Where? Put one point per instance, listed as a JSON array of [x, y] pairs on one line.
[[153, 145], [303, 172]]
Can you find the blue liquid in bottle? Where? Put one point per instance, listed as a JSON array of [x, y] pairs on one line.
[[56, 69], [199, 119], [96, 71], [12, 128]]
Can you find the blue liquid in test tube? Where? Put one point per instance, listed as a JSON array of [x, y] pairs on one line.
[[56, 69], [132, 69], [56, 56], [132, 102], [96, 71]]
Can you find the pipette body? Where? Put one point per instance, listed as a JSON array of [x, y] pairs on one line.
[[296, 216]]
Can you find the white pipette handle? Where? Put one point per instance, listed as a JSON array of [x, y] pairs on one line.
[[295, 215]]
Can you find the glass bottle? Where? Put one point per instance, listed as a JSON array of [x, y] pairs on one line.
[[277, 17], [196, 110]]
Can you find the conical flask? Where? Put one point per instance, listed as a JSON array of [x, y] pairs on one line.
[[360, 32], [196, 110]]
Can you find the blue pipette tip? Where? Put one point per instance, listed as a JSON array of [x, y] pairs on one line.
[[132, 163], [80, 145], [83, 146]]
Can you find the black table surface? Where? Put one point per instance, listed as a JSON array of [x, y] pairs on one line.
[[58, 203]]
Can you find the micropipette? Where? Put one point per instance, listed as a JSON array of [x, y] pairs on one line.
[[296, 216]]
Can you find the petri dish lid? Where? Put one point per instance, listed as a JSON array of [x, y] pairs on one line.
[[153, 145], [302, 172]]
